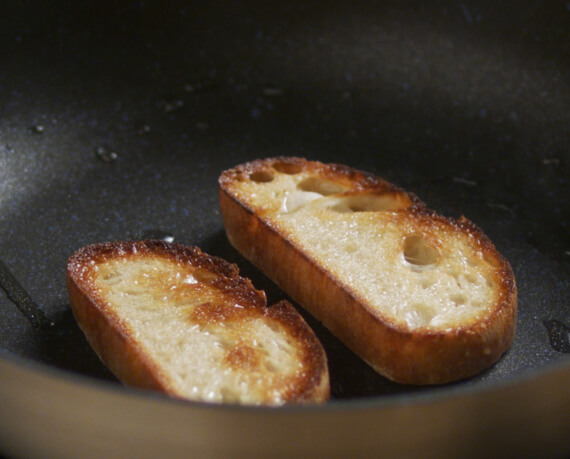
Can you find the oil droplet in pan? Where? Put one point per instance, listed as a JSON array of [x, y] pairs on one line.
[[106, 155], [172, 105], [143, 129], [156, 234], [200, 86]]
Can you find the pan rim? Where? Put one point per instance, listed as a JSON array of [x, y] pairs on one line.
[[379, 402]]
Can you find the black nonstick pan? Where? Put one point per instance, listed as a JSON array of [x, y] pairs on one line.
[[116, 120]]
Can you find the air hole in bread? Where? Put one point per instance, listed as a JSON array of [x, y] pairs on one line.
[[229, 394], [223, 343], [270, 365], [287, 168], [261, 176], [369, 203], [473, 261], [274, 326], [351, 247], [419, 315], [418, 251], [455, 273], [297, 199], [203, 275], [426, 283], [491, 259], [458, 299], [318, 185], [112, 277], [471, 278], [224, 339]]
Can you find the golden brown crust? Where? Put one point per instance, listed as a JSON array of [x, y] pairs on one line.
[[343, 175], [116, 343], [417, 356]]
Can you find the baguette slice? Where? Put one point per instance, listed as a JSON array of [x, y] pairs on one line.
[[172, 318], [421, 298]]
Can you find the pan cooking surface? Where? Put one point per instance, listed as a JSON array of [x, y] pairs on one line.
[[115, 123]]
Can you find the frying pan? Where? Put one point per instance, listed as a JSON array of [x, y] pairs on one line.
[[116, 120]]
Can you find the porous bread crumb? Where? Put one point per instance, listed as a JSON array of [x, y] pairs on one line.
[[238, 357], [359, 238]]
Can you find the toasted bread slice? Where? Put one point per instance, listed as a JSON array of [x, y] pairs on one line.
[[422, 298], [172, 318]]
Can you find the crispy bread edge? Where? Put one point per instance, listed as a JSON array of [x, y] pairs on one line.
[[314, 385], [111, 339]]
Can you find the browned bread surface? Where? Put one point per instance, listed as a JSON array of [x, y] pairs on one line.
[[171, 318], [422, 298]]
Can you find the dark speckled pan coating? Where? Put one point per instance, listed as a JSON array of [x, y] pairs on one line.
[[465, 105]]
